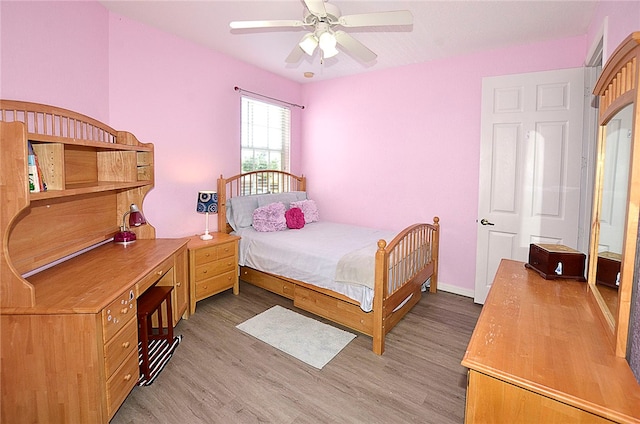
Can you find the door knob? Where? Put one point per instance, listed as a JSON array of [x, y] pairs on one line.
[[485, 222]]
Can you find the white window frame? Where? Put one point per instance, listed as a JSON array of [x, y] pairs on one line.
[[265, 135]]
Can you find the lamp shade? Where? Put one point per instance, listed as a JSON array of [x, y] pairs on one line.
[[136, 218], [207, 202], [309, 43]]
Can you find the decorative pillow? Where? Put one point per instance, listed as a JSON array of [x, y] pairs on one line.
[[284, 198], [309, 209], [270, 218], [294, 218]]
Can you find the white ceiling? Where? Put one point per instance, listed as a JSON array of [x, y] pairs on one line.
[[441, 29]]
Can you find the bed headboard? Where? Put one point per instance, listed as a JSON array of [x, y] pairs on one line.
[[254, 182]]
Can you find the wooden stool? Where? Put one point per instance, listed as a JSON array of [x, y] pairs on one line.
[[148, 304]]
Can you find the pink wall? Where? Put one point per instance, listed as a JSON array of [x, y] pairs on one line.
[[386, 148], [391, 148], [164, 90], [56, 53], [623, 18], [180, 96]]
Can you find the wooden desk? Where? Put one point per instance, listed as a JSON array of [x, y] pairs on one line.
[[73, 356], [540, 354]]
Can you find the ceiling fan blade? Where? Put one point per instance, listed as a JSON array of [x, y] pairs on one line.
[[295, 55], [396, 17], [265, 24], [316, 7], [354, 47]]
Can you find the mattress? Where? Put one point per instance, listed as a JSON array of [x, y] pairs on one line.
[[333, 256]]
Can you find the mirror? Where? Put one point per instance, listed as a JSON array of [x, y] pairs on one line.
[[615, 148], [616, 196]]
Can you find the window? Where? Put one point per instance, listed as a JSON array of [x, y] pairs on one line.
[[265, 136]]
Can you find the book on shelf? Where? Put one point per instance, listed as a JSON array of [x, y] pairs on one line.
[[36, 180]]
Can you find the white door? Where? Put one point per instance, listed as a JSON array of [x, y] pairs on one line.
[[530, 166]]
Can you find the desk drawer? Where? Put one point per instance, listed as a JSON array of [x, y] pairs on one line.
[[150, 279], [215, 285], [122, 382], [122, 345], [117, 314], [214, 268]]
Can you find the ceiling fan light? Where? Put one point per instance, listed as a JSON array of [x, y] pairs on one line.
[[328, 44], [309, 43], [327, 41], [329, 52]]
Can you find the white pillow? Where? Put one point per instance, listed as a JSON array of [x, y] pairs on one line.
[[240, 211]]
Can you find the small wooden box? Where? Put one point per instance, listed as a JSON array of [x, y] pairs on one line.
[[608, 268], [553, 261]]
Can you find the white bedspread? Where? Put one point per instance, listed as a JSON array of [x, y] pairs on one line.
[[333, 256]]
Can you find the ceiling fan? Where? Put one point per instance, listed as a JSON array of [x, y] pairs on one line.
[[323, 18]]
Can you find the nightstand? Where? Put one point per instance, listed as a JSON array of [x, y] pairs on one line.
[[213, 266]]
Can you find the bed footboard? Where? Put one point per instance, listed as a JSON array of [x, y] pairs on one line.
[[402, 267]]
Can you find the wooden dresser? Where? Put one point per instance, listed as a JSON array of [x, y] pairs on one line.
[[213, 266], [69, 333], [540, 353]]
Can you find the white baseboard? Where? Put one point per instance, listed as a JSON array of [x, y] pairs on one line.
[[455, 290]]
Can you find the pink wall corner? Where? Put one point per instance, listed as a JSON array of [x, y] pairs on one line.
[[56, 53], [621, 17], [180, 96], [390, 148]]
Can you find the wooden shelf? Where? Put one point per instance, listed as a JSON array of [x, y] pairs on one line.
[[93, 174], [43, 138], [85, 188]]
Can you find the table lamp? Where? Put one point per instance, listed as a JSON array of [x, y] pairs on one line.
[[136, 219], [207, 203]]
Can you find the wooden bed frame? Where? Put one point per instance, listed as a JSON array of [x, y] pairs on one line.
[[402, 265]]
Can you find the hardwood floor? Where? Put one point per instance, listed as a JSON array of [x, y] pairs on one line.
[[221, 375]]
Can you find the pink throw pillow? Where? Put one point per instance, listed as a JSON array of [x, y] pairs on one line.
[[295, 218], [309, 209], [270, 218]]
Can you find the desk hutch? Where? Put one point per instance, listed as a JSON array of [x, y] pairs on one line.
[[69, 333]]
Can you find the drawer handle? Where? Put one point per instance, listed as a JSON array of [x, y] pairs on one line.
[[178, 284], [204, 272], [159, 272], [126, 345], [124, 311], [207, 255], [127, 377], [205, 287]]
